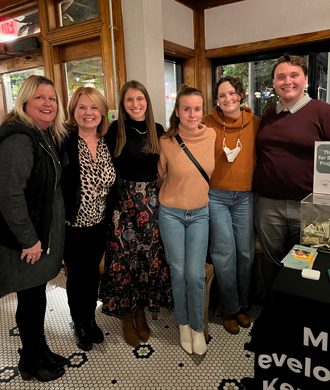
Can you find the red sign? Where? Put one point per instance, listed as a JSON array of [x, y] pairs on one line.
[[9, 28]]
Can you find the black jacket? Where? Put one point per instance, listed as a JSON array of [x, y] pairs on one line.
[[71, 184], [39, 192]]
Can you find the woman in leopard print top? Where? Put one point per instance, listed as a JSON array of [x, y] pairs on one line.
[[87, 179]]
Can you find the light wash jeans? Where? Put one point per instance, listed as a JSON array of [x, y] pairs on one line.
[[232, 245], [185, 237]]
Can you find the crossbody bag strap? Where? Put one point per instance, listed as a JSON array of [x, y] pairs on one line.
[[184, 147]]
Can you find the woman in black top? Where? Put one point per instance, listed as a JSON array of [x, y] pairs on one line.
[[136, 274], [87, 179]]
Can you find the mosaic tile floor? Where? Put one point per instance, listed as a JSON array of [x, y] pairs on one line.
[[159, 364]]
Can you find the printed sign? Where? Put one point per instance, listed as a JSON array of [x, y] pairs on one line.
[[322, 168]]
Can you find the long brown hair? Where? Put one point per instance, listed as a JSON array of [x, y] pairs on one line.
[[152, 144], [173, 130]]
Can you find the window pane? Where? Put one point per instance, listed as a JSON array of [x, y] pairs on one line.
[[77, 11], [21, 26], [85, 73], [257, 80], [13, 81], [170, 89], [322, 61]]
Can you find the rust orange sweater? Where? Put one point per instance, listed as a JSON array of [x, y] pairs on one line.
[[184, 187], [236, 175]]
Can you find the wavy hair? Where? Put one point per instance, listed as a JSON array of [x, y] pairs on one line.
[[234, 82], [25, 93], [100, 103], [152, 143], [173, 129]]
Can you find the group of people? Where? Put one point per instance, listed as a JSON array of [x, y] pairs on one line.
[[155, 202]]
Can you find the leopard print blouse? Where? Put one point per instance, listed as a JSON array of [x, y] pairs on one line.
[[96, 178]]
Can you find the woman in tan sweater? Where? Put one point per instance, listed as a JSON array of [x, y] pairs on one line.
[[184, 214], [232, 240]]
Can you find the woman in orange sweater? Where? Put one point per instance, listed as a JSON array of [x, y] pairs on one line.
[[232, 239], [184, 213]]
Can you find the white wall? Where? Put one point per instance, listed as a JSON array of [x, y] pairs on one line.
[[144, 49], [178, 23], [256, 20]]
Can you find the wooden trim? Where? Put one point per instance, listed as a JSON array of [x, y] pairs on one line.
[[119, 44], [176, 50], [17, 8], [47, 60], [86, 49], [202, 66], [18, 63], [189, 71], [107, 59], [269, 44], [69, 34]]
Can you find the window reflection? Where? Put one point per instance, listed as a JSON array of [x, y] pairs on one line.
[[170, 88], [257, 80], [21, 26], [85, 73], [13, 81], [322, 61], [74, 11]]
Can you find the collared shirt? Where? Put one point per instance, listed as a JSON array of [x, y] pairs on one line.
[[295, 107]]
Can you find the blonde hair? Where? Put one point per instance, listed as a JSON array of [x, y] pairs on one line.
[[100, 103], [152, 143], [25, 93], [173, 129]]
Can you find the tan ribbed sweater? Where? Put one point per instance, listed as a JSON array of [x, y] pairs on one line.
[[236, 175], [184, 187]]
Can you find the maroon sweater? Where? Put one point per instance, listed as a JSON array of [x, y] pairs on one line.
[[285, 150]]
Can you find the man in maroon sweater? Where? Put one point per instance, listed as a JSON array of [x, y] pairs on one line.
[[285, 164], [284, 173]]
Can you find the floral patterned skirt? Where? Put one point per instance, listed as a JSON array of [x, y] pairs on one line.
[[135, 270]]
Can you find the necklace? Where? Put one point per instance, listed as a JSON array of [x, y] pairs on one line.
[[224, 124], [231, 154], [140, 132]]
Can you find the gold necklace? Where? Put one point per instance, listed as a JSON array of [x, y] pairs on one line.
[[224, 123], [140, 132]]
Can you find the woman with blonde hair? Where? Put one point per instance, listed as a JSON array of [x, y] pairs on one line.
[[87, 182], [32, 217], [186, 162], [136, 274]]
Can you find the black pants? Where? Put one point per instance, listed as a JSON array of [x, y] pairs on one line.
[[30, 316], [84, 248]]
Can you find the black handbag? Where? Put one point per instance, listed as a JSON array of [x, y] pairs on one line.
[[184, 147]]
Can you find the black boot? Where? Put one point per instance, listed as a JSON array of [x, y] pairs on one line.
[[54, 358], [35, 363], [97, 334], [84, 335]]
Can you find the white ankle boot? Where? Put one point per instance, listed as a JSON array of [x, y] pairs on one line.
[[185, 338], [198, 342]]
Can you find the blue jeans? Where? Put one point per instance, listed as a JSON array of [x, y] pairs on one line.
[[185, 237], [232, 245]]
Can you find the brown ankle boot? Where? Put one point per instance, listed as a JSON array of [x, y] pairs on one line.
[[141, 324], [130, 332], [243, 320], [230, 323]]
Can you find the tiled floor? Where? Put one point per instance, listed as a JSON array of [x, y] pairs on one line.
[[159, 364]]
